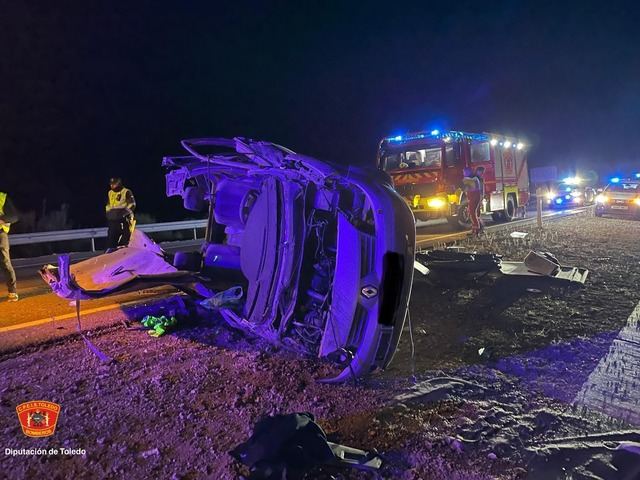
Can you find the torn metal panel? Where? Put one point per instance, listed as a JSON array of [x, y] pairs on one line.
[[324, 254], [141, 265]]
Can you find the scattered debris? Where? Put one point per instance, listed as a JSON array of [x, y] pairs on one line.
[[287, 446], [154, 452], [227, 298], [158, 325], [502, 282], [421, 268], [459, 266], [518, 234]]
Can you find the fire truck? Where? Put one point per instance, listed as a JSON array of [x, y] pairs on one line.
[[427, 170]]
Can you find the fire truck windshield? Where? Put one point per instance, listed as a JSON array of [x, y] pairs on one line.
[[430, 158]]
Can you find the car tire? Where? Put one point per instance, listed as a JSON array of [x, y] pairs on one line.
[[598, 214]]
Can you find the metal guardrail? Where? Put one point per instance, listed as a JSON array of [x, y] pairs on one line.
[[93, 233]]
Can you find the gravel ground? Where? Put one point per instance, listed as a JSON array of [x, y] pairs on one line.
[[173, 407]]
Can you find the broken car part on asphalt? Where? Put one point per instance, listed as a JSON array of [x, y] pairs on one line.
[[324, 254], [538, 268], [503, 282]]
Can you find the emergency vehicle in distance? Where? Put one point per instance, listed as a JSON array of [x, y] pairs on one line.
[[620, 197], [426, 169], [570, 192]]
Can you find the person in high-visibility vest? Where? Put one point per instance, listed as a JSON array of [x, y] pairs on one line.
[[8, 215], [120, 220]]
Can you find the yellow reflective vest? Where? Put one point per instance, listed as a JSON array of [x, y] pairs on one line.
[[3, 199], [119, 199]]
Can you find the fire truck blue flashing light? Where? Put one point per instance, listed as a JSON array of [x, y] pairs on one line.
[[435, 132], [397, 138], [637, 175], [559, 200], [615, 180]]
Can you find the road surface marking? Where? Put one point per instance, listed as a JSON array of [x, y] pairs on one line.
[[66, 316], [613, 387]]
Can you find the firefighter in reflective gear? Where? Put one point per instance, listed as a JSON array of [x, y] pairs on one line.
[[120, 220], [474, 197], [8, 215]]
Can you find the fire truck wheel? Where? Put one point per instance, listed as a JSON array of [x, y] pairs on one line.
[[510, 211]]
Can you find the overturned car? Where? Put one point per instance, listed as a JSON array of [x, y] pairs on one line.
[[324, 253]]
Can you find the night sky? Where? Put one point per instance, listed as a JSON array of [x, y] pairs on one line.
[[94, 89]]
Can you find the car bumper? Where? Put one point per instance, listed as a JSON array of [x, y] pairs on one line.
[[623, 210]]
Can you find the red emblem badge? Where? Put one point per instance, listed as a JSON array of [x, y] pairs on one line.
[[38, 418]]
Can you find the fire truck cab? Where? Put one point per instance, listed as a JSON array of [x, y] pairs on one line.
[[426, 169]]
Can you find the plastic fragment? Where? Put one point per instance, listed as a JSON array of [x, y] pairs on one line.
[[226, 298]]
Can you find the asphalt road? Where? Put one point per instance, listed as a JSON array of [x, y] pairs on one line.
[[45, 315], [437, 232]]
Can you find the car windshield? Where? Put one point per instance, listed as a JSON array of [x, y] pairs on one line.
[[630, 187], [429, 157]]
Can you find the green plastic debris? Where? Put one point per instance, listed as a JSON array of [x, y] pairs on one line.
[[158, 325]]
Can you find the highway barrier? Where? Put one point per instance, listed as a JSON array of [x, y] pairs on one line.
[[93, 233]]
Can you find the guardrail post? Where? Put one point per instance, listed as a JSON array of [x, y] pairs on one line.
[[93, 244], [539, 197], [195, 233]]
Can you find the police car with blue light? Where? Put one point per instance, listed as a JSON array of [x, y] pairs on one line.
[[570, 192], [620, 197]]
